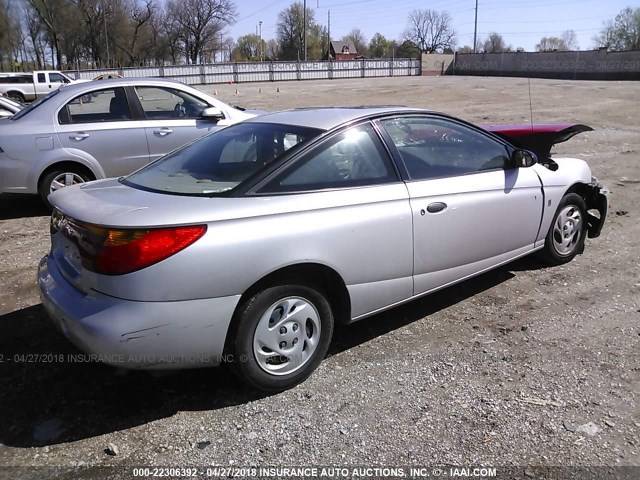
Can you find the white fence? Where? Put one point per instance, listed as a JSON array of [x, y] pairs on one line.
[[267, 71]]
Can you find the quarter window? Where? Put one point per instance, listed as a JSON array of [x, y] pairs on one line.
[[352, 158], [109, 105], [169, 104], [435, 147]]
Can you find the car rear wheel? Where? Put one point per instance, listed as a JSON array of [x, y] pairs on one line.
[[60, 178], [567, 233], [16, 97], [281, 335]]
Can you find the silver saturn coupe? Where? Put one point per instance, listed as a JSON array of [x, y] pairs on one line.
[[247, 246], [95, 130]]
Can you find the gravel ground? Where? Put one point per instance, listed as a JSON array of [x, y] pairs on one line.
[[524, 366]]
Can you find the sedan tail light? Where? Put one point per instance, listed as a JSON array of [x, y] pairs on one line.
[[112, 251]]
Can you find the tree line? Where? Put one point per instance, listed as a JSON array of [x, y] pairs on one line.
[[70, 34]]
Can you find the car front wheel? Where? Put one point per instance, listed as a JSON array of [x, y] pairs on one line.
[[567, 233], [281, 335]]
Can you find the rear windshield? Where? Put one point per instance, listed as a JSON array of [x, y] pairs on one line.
[[222, 160]]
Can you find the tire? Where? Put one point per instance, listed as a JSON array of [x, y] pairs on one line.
[[567, 232], [16, 97], [272, 352], [59, 178]]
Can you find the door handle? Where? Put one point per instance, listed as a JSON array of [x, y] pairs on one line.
[[78, 136], [436, 207], [163, 132]]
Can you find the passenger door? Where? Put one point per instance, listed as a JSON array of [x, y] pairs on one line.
[[471, 209], [103, 130], [173, 118], [351, 213]]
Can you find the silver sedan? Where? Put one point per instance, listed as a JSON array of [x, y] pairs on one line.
[[104, 129], [246, 246]]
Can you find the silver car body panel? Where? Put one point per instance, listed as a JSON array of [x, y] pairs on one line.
[[126, 143], [330, 228], [570, 172], [472, 226], [144, 334], [105, 148]]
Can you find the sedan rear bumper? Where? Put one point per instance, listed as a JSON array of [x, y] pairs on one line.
[[130, 334]]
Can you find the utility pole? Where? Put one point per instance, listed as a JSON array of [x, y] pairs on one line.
[[475, 30], [304, 29], [260, 46], [329, 35], [106, 36]]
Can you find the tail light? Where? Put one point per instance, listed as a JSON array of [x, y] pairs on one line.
[[112, 251]]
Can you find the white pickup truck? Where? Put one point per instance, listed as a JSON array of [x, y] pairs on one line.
[[24, 87]]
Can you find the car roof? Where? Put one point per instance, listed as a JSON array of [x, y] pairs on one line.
[[124, 81], [326, 118]]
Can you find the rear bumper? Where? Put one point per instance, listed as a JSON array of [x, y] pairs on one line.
[[129, 334]]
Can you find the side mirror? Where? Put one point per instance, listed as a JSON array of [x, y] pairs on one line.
[[523, 158], [212, 113]]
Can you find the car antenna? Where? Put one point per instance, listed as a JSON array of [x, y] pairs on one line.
[[530, 105]]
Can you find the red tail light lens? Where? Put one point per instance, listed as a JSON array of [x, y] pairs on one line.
[[113, 251], [125, 251]]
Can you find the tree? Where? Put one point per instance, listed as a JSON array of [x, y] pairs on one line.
[[135, 43], [11, 37], [50, 13], [248, 48], [378, 46], [359, 41], [272, 50], [550, 44], [567, 41], [290, 33], [199, 23], [430, 30], [408, 49], [623, 33], [494, 43], [570, 40]]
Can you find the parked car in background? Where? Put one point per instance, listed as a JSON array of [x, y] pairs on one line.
[[62, 140], [23, 87], [248, 245], [8, 107]]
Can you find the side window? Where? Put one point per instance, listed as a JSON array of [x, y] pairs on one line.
[[109, 105], [260, 148], [168, 103], [436, 147], [56, 78], [41, 78], [352, 158]]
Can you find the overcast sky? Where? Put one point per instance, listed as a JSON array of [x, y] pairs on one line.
[[522, 23]]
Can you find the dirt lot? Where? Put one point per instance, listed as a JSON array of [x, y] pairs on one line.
[[524, 366]]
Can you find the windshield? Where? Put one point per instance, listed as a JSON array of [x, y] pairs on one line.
[[221, 161], [33, 105]]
